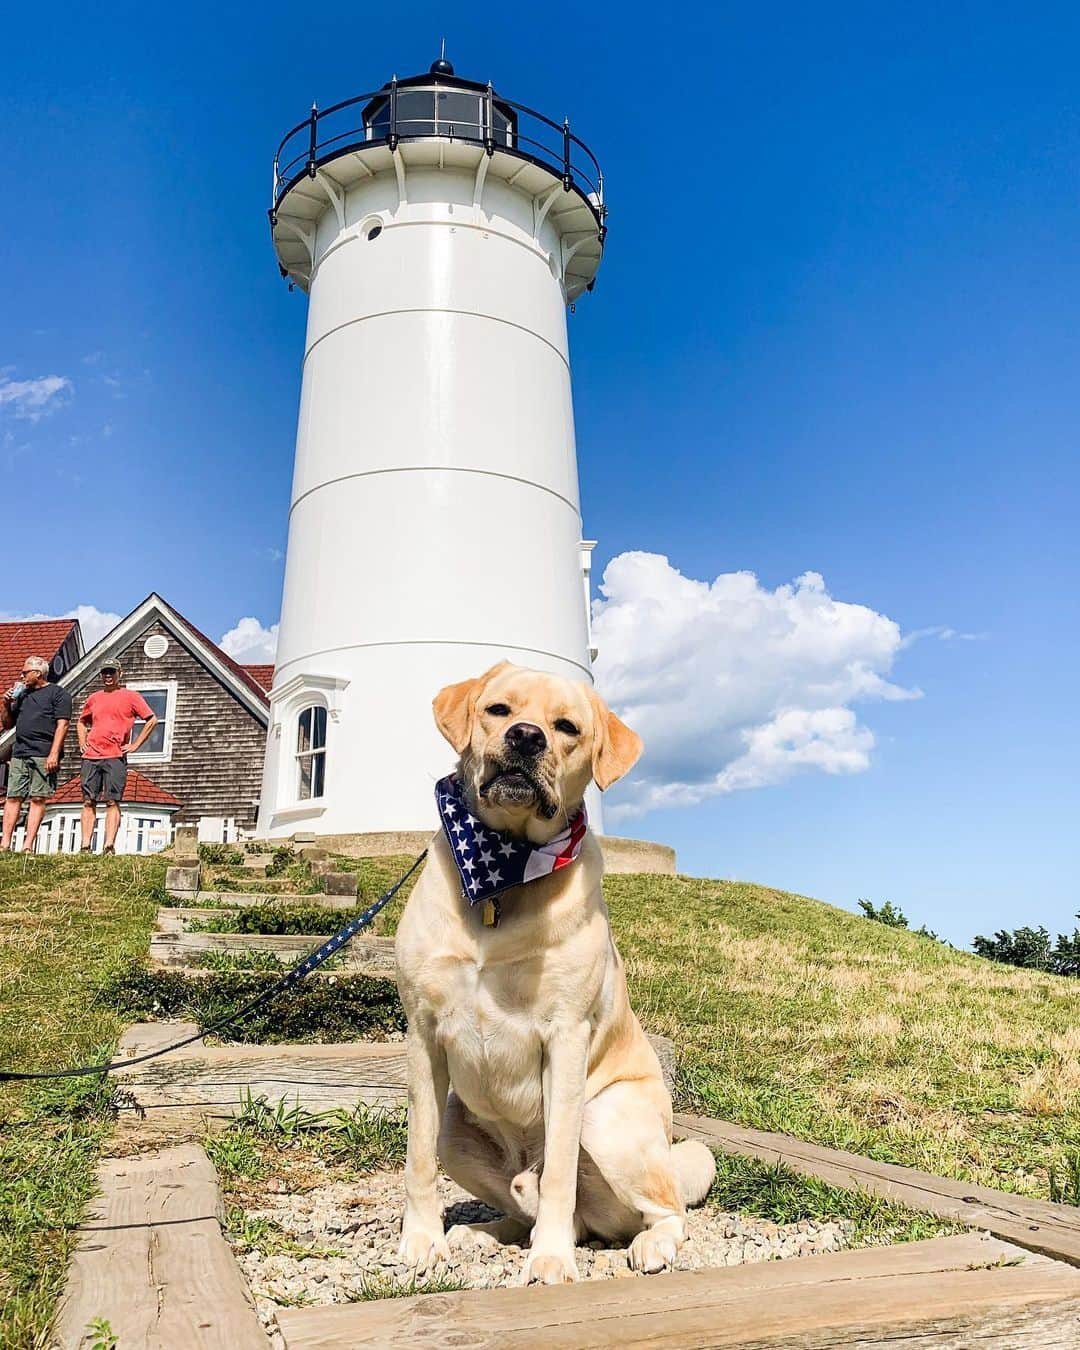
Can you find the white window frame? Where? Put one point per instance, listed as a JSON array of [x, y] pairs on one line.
[[164, 755], [288, 701], [298, 754]]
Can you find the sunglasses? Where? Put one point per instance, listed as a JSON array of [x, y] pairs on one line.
[[108, 670]]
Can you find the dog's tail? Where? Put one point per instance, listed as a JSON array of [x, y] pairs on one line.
[[695, 1168]]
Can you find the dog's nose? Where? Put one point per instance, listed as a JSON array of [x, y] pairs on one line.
[[526, 738]]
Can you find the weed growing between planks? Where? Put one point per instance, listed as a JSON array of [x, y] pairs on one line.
[[68, 922], [284, 1140]]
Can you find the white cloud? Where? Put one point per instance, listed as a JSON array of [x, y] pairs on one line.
[[31, 400], [94, 622], [942, 634], [250, 643], [732, 685]]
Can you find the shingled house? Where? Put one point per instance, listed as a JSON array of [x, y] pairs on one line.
[[202, 765]]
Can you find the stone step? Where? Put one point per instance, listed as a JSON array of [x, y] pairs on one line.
[[152, 1262], [945, 1292]]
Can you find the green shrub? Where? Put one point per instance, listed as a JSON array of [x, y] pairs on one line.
[[342, 1008], [887, 913], [223, 855], [278, 920]]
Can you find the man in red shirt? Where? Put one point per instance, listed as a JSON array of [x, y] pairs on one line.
[[104, 730]]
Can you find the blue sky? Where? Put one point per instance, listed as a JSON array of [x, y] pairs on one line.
[[835, 331]]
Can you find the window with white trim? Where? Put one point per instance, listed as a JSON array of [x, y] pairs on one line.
[[311, 753], [161, 696]]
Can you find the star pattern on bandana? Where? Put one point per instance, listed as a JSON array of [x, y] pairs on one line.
[[476, 849]]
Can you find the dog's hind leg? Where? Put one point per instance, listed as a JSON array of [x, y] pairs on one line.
[[625, 1134], [480, 1165]]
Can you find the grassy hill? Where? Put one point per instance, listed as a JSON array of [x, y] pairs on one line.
[[793, 1015], [788, 1014]]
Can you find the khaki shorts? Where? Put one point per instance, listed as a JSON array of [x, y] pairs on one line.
[[27, 778]]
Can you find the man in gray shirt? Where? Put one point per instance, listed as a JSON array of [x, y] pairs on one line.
[[40, 713]]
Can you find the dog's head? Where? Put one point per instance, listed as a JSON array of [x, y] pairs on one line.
[[529, 745]]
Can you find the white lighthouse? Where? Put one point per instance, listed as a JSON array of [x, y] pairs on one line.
[[440, 231]]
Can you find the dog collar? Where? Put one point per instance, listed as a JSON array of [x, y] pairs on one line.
[[489, 862]]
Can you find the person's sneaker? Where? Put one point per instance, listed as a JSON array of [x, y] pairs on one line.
[[86, 849], [109, 848]]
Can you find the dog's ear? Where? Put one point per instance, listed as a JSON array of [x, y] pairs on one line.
[[616, 749], [455, 706]]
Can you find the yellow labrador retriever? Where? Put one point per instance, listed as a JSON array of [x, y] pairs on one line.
[[558, 1114]]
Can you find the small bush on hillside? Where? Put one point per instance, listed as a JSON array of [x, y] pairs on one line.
[[1030, 949], [887, 913], [893, 917]]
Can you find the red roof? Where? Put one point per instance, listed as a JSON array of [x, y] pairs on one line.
[[29, 637], [139, 789], [243, 673], [263, 675]]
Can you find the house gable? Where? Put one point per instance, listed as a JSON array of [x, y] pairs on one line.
[[219, 712]]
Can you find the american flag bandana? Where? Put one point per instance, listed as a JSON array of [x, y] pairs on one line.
[[489, 862]]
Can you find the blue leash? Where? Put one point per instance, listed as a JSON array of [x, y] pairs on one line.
[[299, 972]]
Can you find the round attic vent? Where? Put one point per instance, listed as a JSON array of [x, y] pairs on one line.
[[155, 646]]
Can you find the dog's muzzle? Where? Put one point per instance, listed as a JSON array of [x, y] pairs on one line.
[[513, 783]]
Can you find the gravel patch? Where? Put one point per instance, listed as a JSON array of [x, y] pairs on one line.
[[346, 1236]]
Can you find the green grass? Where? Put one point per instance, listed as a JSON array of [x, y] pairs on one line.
[[66, 924], [772, 1191], [791, 1015]]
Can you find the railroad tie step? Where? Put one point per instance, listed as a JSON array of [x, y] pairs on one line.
[[152, 1262], [199, 1084], [954, 1291]]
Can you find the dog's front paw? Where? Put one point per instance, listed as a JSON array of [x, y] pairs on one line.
[[421, 1249], [652, 1251], [550, 1268]]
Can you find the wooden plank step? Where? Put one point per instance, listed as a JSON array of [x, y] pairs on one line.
[[203, 1086], [364, 955], [151, 1260], [232, 899], [180, 1090], [1038, 1225], [947, 1292]]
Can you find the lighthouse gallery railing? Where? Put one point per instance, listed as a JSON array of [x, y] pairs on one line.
[[331, 132]]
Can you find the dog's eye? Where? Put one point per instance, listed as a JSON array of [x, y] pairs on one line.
[[566, 727], [499, 710]]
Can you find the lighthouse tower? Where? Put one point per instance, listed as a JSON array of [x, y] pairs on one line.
[[440, 231]]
